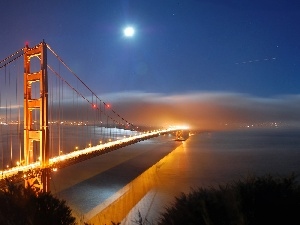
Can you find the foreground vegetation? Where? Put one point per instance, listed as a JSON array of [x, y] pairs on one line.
[[23, 206], [250, 201]]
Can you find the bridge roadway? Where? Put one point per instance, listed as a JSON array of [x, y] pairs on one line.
[[19, 173]]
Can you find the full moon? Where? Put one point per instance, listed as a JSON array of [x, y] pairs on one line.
[[128, 32]]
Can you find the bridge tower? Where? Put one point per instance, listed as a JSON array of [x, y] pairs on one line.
[[40, 104]]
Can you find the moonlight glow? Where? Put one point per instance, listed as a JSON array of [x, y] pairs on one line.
[[129, 32]]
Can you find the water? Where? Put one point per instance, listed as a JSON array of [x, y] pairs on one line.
[[114, 187], [146, 176], [86, 186], [209, 159]]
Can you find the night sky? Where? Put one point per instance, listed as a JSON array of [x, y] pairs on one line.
[[236, 59]]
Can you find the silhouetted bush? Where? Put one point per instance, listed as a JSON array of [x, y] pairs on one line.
[[23, 206], [250, 201]]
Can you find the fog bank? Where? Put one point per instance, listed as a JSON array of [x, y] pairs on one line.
[[206, 110]]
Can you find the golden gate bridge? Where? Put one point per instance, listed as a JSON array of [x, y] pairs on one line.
[[49, 118]]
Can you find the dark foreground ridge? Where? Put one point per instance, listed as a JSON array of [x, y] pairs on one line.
[[250, 201]]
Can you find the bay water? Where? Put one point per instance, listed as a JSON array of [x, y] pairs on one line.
[[145, 177], [211, 158]]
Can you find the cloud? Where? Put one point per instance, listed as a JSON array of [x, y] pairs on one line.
[[199, 110], [206, 110]]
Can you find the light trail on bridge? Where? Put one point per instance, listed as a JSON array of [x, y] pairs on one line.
[[81, 154]]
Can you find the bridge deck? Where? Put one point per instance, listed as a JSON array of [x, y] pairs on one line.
[[20, 173]]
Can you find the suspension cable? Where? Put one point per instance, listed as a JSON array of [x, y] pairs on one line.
[[60, 59], [11, 58], [80, 94]]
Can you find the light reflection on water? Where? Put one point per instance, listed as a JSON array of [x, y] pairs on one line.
[[115, 186], [89, 184], [206, 159]]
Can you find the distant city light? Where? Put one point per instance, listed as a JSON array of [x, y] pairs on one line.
[[180, 127]]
